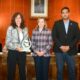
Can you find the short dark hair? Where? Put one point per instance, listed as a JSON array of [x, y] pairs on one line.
[[65, 8], [13, 23]]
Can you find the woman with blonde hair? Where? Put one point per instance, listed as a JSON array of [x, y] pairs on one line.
[[41, 45]]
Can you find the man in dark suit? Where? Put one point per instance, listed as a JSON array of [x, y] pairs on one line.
[[65, 35]]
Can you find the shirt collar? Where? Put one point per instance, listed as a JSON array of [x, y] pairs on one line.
[[67, 22], [42, 29]]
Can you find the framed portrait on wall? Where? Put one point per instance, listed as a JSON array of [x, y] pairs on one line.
[[39, 8]]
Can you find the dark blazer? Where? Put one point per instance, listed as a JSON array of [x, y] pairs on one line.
[[61, 38]]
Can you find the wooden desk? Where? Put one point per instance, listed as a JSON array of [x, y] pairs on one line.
[[30, 69]]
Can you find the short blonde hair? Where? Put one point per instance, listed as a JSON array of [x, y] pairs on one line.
[[45, 25]]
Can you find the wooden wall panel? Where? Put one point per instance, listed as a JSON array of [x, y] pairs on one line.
[[9, 7]]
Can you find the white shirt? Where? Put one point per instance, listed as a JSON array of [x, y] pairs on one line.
[[20, 35], [66, 24], [40, 29]]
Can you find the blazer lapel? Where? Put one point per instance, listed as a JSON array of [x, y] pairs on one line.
[[23, 35], [63, 27], [69, 27]]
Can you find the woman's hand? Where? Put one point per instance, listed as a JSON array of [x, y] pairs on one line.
[[4, 50], [19, 49], [39, 53]]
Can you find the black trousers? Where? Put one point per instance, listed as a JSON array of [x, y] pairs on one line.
[[15, 57], [42, 67]]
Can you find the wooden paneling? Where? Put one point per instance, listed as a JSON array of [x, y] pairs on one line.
[[30, 68], [9, 7]]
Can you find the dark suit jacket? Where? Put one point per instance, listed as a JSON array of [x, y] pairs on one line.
[[61, 38]]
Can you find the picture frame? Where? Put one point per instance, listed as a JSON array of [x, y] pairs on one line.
[[39, 8]]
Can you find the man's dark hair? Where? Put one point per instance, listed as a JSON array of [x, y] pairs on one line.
[[65, 8]]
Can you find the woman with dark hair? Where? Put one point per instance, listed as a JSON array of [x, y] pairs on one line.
[[16, 34]]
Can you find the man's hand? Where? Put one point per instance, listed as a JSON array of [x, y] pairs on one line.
[[65, 48]]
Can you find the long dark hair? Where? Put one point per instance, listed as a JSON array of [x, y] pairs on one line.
[[13, 23]]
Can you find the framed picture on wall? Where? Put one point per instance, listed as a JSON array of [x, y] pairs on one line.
[[39, 8]]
